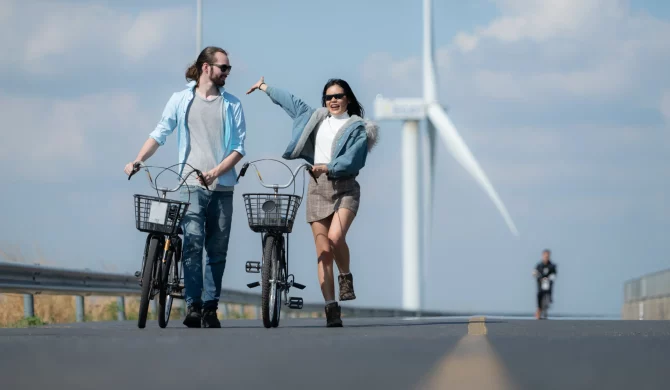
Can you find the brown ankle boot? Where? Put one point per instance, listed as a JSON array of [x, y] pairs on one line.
[[346, 287], [333, 315]]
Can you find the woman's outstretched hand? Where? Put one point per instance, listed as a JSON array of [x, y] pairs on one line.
[[257, 85]]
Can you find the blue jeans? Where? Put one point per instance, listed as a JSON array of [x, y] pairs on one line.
[[206, 224]]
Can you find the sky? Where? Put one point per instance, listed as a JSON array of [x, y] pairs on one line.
[[564, 103]]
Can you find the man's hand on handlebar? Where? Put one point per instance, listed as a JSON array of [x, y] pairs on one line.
[[132, 168], [207, 178]]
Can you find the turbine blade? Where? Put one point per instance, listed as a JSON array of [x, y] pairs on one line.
[[429, 77], [462, 154]]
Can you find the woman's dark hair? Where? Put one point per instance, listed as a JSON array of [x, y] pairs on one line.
[[354, 107], [206, 56]]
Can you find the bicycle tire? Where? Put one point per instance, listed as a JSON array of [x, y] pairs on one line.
[[164, 307], [269, 259], [147, 281], [280, 276]]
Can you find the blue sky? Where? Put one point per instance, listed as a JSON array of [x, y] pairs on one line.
[[565, 103]]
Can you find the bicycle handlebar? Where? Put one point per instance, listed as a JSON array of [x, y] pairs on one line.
[[139, 164], [246, 165]]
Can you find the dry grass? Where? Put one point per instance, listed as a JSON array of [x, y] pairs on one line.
[[61, 308], [55, 309]]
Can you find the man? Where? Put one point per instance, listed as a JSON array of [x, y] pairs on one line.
[[210, 137], [544, 269]]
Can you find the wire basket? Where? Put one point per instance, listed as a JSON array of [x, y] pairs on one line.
[[270, 212], [157, 215]]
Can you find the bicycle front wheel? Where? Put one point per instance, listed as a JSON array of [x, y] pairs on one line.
[[150, 263], [269, 272], [165, 301]]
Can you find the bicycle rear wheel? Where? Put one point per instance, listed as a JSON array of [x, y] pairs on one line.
[[150, 263], [269, 273]]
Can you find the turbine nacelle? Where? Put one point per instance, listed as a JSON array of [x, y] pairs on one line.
[[400, 109]]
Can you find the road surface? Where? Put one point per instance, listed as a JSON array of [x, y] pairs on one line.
[[376, 353]]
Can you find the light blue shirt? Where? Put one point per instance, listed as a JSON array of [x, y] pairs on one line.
[[174, 117]]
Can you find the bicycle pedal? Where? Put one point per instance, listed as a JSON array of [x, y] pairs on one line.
[[254, 284], [295, 303], [299, 286], [137, 274], [253, 267]]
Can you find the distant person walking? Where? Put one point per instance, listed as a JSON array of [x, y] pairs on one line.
[[210, 137], [335, 139], [544, 269]]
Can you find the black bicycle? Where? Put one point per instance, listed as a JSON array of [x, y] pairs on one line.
[[273, 215], [161, 273]]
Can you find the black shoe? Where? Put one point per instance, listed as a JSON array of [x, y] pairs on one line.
[[210, 320], [193, 316], [333, 315], [346, 287]]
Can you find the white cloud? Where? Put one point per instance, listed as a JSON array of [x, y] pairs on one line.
[[68, 36], [68, 136], [545, 53], [543, 20]]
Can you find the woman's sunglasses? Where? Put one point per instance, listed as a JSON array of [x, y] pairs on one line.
[[337, 96]]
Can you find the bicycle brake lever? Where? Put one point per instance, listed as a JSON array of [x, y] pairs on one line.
[[242, 171], [136, 168], [202, 178]]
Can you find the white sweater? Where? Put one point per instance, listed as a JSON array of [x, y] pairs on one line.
[[325, 135]]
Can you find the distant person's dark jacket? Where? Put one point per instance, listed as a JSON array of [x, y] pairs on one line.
[[545, 270]]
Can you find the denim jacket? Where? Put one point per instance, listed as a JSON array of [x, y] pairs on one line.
[[351, 144], [175, 116]]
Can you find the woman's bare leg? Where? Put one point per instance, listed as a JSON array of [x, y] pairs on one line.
[[337, 233], [324, 254]]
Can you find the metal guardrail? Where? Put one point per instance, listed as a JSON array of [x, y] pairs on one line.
[[650, 286], [35, 279]]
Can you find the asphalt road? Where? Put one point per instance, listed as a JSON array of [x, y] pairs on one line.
[[379, 353]]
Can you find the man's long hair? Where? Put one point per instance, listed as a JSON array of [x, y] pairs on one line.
[[206, 56]]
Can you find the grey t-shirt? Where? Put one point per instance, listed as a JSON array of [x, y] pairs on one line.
[[205, 124]]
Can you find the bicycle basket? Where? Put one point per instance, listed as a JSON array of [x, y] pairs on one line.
[[157, 215], [270, 212]]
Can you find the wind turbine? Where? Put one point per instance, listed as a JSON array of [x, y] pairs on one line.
[[411, 111]]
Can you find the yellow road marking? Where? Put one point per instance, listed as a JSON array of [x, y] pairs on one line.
[[477, 326], [473, 364]]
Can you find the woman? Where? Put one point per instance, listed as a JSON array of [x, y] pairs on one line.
[[336, 140]]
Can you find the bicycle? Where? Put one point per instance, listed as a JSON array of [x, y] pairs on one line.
[[273, 215], [161, 219]]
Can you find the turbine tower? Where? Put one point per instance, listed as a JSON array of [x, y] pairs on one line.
[[411, 111]]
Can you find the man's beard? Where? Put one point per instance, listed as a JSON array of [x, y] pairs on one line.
[[219, 82]]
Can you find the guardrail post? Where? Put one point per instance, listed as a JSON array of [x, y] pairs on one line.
[[121, 308], [154, 308], [79, 308], [28, 306], [241, 311], [183, 308], [258, 312], [224, 310]]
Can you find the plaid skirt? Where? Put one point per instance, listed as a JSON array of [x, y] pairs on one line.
[[324, 197]]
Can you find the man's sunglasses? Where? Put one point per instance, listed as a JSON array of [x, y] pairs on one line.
[[224, 68], [337, 96]]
